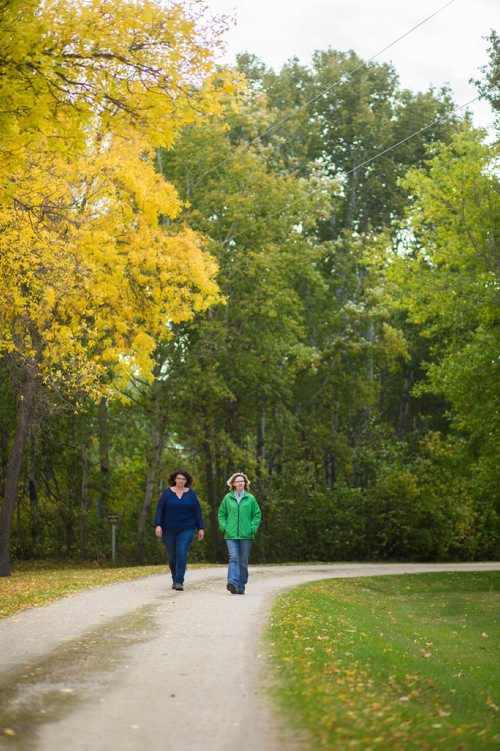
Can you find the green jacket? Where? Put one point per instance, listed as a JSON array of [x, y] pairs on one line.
[[239, 521]]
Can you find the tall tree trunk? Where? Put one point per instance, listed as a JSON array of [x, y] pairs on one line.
[[371, 339], [330, 457], [153, 460], [212, 500], [152, 476], [84, 503], [329, 468], [103, 456], [33, 489], [404, 404], [24, 416], [352, 202], [4, 456], [260, 444]]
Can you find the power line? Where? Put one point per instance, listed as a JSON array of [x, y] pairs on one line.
[[358, 166], [342, 78]]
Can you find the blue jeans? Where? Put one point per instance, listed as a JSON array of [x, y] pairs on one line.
[[237, 572], [177, 542]]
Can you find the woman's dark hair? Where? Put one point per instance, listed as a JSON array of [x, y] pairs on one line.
[[189, 478]]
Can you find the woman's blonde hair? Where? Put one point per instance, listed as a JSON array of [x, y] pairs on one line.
[[230, 482]]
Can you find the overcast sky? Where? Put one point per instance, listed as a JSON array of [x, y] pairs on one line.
[[448, 48]]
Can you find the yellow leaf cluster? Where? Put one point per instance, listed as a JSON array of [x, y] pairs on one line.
[[85, 264], [139, 66], [92, 274]]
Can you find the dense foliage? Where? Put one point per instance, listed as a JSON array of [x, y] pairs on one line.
[[178, 291]]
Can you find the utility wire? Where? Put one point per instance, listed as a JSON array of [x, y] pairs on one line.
[[342, 78], [358, 166]]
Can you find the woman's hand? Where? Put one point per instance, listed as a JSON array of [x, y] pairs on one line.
[[158, 531], [201, 534]]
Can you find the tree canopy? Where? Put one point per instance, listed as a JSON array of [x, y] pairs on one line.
[[290, 273]]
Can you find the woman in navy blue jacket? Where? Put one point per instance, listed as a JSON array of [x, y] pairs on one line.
[[178, 514]]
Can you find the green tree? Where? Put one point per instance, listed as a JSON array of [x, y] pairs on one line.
[[489, 86], [232, 371], [446, 268], [339, 112]]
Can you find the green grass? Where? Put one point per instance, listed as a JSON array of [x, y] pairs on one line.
[[30, 586], [393, 662]]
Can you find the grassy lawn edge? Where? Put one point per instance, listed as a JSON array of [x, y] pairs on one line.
[[401, 662]]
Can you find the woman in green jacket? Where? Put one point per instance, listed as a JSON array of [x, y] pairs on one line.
[[239, 519]]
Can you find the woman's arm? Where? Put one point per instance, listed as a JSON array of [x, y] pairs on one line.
[[222, 515], [256, 517], [200, 525], [160, 507]]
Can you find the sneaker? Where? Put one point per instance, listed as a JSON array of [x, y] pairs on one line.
[[179, 587], [173, 585], [240, 591], [232, 588]]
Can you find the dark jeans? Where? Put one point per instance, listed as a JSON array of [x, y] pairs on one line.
[[177, 542], [237, 572]]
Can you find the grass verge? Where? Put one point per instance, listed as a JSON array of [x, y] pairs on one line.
[[32, 586], [398, 662]]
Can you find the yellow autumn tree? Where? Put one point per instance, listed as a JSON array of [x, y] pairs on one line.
[[90, 278], [139, 65]]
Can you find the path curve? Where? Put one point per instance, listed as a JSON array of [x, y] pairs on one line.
[[136, 665]]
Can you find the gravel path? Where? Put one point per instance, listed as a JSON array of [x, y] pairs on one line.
[[136, 665]]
